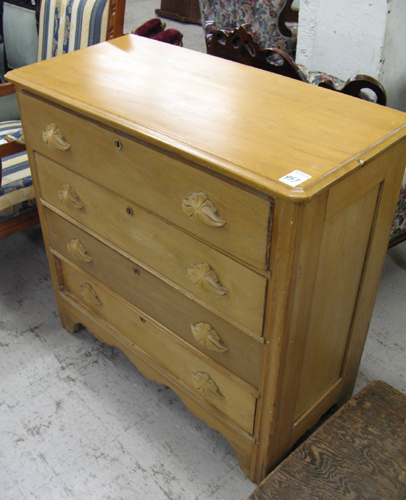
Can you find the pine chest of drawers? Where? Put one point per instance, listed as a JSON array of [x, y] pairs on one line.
[[223, 226]]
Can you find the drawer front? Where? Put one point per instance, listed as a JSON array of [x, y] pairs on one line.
[[224, 284], [198, 326], [202, 379], [213, 210]]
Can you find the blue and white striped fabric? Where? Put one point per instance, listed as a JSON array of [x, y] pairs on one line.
[[17, 192], [9, 128], [16, 173], [67, 25]]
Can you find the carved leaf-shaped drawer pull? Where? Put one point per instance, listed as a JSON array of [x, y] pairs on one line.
[[69, 198], [201, 209], [206, 385], [207, 337], [78, 251], [53, 138], [89, 295], [203, 276]]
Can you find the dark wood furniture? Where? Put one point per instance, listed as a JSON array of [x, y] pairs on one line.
[[273, 22], [17, 224], [239, 46], [287, 15], [359, 453], [185, 11]]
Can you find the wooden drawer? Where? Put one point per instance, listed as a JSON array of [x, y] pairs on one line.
[[186, 196], [218, 389], [236, 351], [224, 284]]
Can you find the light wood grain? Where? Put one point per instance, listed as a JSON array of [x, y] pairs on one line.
[[154, 180], [158, 245], [248, 124], [157, 299], [336, 292], [290, 302], [236, 403], [74, 315]]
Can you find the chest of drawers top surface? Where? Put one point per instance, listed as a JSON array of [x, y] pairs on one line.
[[247, 124]]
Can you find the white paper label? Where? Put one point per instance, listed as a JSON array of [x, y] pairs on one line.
[[295, 178]]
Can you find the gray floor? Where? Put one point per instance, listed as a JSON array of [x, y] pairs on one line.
[[77, 421]]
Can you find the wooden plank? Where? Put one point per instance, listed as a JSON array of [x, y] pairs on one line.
[[340, 269], [374, 262], [283, 259], [360, 452], [287, 334]]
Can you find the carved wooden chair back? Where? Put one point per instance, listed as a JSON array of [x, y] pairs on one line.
[[239, 45], [273, 23]]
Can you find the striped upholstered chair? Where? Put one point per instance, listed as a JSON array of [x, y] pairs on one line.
[[33, 32]]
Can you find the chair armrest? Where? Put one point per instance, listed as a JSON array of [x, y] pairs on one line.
[[6, 89], [355, 85], [10, 148]]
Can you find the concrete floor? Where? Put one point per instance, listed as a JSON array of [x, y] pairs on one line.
[[78, 421]]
